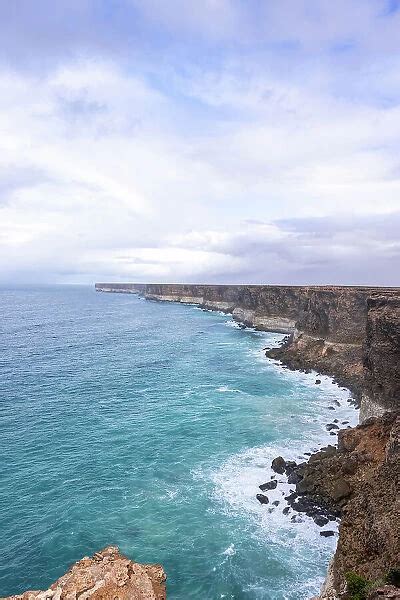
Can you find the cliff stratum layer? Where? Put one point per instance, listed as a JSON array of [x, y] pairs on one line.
[[105, 576]]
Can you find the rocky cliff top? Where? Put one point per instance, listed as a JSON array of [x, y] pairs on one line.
[[107, 575]]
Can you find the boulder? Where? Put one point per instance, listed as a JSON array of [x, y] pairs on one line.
[[262, 499], [320, 520], [331, 426], [278, 465], [270, 485]]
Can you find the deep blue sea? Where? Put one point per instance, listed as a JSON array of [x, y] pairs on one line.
[[150, 426]]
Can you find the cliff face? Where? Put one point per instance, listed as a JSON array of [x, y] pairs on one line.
[[333, 329], [381, 389], [334, 313], [105, 576]]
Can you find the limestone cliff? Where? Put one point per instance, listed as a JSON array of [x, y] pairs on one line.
[[107, 575], [327, 326]]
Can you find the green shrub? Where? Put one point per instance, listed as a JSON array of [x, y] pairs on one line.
[[357, 586]]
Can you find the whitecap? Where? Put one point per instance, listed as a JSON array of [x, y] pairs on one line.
[[230, 551], [232, 323]]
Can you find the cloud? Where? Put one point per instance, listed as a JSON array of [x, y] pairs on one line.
[[228, 143], [360, 251]]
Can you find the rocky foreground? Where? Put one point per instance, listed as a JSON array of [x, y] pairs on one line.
[[107, 575], [359, 481]]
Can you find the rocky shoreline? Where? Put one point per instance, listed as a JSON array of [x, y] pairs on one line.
[[353, 335], [331, 329], [358, 482]]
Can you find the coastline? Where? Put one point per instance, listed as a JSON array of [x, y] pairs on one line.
[[248, 413], [351, 335], [285, 489], [347, 332], [363, 468]]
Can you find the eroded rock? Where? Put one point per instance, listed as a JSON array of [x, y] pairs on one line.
[[107, 575], [270, 485], [262, 498], [278, 465]]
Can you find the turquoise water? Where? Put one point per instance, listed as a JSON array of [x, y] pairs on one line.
[[150, 426]]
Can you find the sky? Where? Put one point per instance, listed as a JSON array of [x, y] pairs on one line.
[[220, 141]]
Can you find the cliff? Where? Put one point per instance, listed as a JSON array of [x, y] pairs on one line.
[[333, 329], [359, 482], [107, 575], [381, 385]]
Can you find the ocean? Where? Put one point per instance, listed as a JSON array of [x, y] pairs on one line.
[[150, 426]]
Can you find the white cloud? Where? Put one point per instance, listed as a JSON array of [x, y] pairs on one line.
[[114, 167]]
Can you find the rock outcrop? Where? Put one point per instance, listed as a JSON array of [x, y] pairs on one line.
[[107, 575], [359, 482]]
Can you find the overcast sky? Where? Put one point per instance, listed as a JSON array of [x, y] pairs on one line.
[[200, 140]]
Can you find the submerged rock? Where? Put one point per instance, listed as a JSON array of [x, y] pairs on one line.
[[327, 533], [297, 519]]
